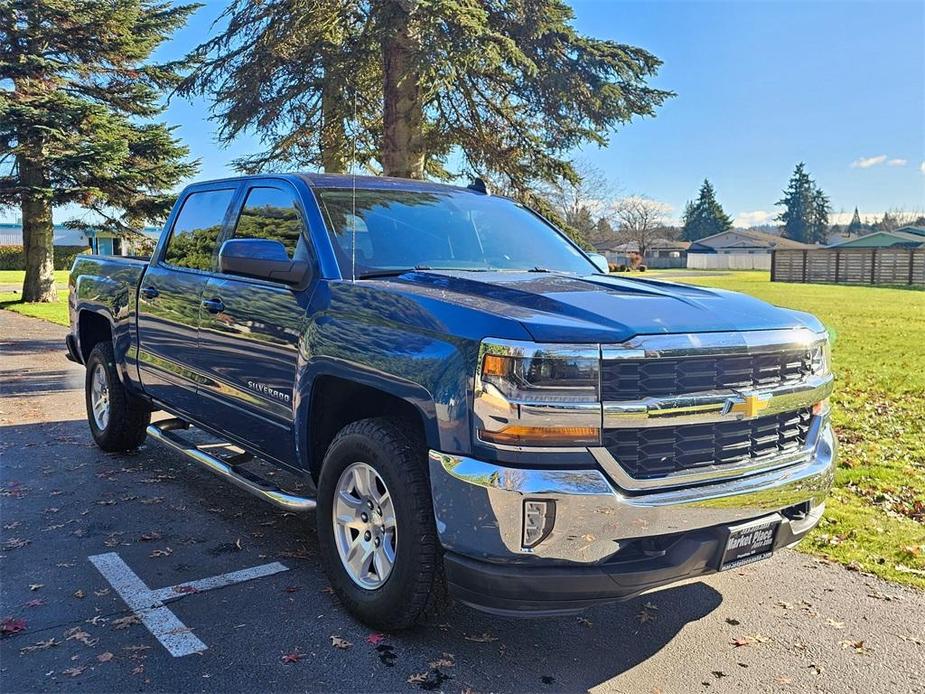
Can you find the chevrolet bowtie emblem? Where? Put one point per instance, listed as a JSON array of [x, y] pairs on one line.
[[750, 405]]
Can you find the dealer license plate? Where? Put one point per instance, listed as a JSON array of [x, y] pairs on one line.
[[749, 542]]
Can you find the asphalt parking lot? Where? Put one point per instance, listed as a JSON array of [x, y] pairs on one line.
[[229, 594]]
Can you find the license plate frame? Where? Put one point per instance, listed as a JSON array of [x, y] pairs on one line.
[[749, 542]]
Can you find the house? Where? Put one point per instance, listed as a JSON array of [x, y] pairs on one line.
[[742, 242], [657, 248], [904, 237], [100, 242]]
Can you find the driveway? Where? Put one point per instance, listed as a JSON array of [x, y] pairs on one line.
[[265, 620]]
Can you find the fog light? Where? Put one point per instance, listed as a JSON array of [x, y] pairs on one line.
[[539, 518]]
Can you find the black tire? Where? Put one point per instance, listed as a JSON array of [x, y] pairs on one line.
[[129, 416], [415, 589]]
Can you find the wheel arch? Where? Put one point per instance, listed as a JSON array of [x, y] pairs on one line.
[[336, 399]]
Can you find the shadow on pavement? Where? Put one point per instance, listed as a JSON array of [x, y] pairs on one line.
[[42, 382]]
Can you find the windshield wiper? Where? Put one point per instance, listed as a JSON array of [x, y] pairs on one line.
[[391, 273], [537, 268]]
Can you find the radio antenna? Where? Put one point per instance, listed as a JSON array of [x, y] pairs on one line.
[[353, 210]]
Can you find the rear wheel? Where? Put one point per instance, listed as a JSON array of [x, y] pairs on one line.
[[117, 418], [376, 525]]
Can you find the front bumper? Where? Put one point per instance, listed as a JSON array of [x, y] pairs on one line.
[[606, 544]]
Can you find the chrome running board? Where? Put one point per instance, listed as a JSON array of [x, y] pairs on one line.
[[165, 432]]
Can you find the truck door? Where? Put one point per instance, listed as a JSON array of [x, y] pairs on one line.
[[169, 299], [249, 330]]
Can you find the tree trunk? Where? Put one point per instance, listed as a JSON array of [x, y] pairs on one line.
[[335, 148], [37, 235], [403, 112]]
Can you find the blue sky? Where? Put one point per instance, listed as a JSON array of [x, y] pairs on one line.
[[760, 86]]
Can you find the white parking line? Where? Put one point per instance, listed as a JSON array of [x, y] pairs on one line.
[[148, 604]]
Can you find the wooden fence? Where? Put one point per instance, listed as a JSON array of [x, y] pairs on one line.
[[850, 266]]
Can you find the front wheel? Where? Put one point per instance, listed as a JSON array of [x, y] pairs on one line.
[[117, 418], [376, 525]]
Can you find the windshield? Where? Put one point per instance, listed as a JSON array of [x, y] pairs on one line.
[[397, 230]]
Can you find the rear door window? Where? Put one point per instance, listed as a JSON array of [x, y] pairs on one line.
[[197, 228], [271, 213]]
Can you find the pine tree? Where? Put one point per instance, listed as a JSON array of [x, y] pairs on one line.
[[855, 227], [509, 85], [798, 204], [819, 217], [77, 95], [705, 217]]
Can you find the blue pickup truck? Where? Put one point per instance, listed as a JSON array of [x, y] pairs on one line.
[[475, 410]]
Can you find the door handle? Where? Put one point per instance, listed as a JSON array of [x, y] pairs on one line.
[[213, 305], [149, 292]]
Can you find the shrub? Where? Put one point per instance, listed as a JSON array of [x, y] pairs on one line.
[[621, 268], [613, 267], [641, 268], [12, 257]]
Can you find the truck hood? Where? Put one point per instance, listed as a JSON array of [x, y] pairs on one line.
[[599, 308]]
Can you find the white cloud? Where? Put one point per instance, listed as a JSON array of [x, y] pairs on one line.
[[922, 167], [754, 218], [897, 162], [867, 162]]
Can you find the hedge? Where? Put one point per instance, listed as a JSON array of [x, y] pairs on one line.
[[12, 258]]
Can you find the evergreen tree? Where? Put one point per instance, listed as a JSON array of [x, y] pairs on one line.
[[706, 216], [510, 85], [798, 201], [855, 226], [819, 217], [77, 95]]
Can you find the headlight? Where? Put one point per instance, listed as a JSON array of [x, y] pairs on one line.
[[821, 357], [528, 394]]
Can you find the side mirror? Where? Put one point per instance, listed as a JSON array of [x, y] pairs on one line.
[[600, 261], [263, 259]]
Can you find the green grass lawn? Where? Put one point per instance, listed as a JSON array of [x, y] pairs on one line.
[[876, 517], [15, 277], [55, 312]]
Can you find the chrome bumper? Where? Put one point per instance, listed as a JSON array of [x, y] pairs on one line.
[[479, 505]]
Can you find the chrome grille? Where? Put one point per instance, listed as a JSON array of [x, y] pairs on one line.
[[652, 452], [632, 379]]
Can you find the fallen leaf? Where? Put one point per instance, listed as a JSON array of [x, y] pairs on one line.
[[40, 646], [74, 671], [101, 593], [185, 589], [856, 646], [645, 616], [36, 586], [780, 679], [292, 589], [36, 602], [79, 594], [104, 657], [139, 669], [126, 622], [161, 552], [237, 543], [481, 638], [417, 678], [585, 622], [719, 674], [78, 634], [293, 657], [16, 543], [150, 536], [832, 623], [11, 625], [375, 639], [445, 660], [733, 622], [340, 642]]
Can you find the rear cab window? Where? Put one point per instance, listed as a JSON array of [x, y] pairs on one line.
[[197, 228]]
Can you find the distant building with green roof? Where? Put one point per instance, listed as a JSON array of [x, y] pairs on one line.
[[905, 237]]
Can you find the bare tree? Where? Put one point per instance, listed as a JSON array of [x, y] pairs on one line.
[[642, 220], [584, 201], [899, 217]]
